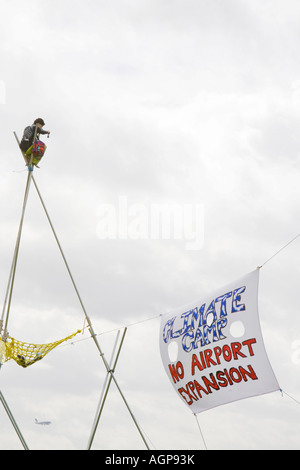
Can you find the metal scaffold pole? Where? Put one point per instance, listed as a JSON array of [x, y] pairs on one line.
[[109, 370], [9, 413]]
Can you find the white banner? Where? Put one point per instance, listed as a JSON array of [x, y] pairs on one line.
[[213, 350]]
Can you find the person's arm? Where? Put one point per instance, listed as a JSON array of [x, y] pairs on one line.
[[39, 130], [42, 131]]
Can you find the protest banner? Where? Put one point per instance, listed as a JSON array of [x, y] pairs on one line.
[[213, 350]]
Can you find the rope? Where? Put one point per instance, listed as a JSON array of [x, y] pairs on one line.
[[292, 398], [110, 331], [201, 434], [281, 249]]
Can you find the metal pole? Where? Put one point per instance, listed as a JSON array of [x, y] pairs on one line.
[[6, 407], [104, 391], [30, 176], [107, 374], [14, 262], [117, 385], [92, 333]]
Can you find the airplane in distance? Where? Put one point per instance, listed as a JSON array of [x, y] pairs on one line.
[[43, 423]]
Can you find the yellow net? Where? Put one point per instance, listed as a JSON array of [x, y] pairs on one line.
[[26, 354]]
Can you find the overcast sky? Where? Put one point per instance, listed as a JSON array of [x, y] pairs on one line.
[[188, 104]]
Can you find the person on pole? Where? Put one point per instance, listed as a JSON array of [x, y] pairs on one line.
[[32, 148]]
